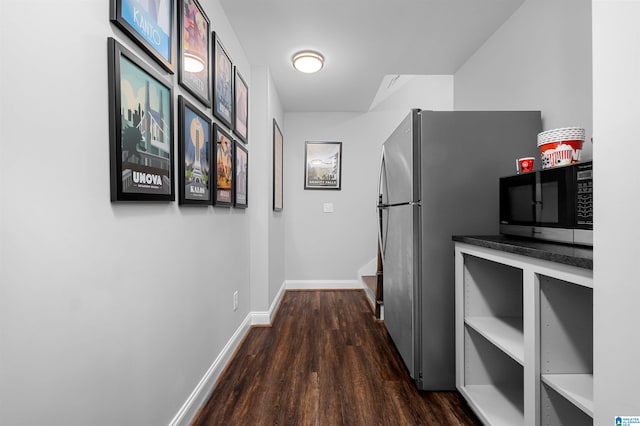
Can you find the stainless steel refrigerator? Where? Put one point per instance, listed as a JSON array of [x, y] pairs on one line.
[[439, 177]]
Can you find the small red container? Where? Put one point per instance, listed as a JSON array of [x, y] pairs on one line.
[[525, 164], [560, 147]]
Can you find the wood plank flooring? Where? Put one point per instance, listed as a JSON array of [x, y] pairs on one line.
[[325, 361]]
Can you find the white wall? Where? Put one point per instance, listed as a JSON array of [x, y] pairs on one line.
[[276, 219], [109, 313], [539, 59], [616, 71], [333, 246], [267, 226]]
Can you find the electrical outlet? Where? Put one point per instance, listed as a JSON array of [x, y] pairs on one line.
[[235, 300]]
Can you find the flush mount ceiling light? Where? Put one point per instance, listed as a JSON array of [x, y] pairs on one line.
[[308, 61]]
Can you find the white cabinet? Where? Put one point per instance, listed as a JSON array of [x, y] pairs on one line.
[[524, 337]]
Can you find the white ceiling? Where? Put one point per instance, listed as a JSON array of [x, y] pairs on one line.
[[362, 41]]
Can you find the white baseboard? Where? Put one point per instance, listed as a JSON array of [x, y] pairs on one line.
[[266, 318], [203, 390], [323, 285], [205, 387]]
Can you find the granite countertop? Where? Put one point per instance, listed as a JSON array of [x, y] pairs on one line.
[[573, 255]]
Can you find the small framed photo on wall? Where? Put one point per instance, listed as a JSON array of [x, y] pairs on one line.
[[149, 23], [223, 196], [241, 108], [241, 184], [195, 70], [222, 83], [278, 202], [195, 152], [323, 165]]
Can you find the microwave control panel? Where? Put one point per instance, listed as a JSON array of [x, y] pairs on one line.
[[584, 202]]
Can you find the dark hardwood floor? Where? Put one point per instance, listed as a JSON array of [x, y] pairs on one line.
[[325, 361]]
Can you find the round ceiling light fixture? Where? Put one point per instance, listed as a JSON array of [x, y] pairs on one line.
[[308, 61]]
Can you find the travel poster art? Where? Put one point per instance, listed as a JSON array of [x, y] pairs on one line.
[[224, 168], [194, 75], [151, 20], [196, 151], [146, 129], [323, 165], [242, 169], [223, 85], [241, 108]]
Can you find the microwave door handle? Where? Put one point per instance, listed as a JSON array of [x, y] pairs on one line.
[[538, 199]]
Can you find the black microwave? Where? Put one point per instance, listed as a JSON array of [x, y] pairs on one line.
[[552, 204]]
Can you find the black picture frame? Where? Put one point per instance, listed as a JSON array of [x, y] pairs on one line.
[[223, 95], [278, 182], [223, 194], [194, 154], [194, 72], [240, 107], [140, 129], [323, 165], [241, 181], [151, 28]]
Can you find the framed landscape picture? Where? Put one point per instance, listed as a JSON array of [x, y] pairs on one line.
[[195, 70], [277, 168], [323, 165], [140, 129], [222, 83], [194, 140], [241, 184], [223, 195], [150, 24], [241, 108]]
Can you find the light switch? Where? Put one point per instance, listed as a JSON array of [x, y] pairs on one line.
[[328, 207]]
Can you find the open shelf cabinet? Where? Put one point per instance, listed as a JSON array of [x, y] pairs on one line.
[[524, 338]]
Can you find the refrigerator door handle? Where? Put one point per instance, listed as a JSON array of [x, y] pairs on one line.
[[380, 175], [380, 206]]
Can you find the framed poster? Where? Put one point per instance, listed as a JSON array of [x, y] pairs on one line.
[[241, 184], [195, 70], [194, 162], [224, 168], [241, 108], [323, 165], [150, 24], [277, 168], [140, 129], [222, 83]]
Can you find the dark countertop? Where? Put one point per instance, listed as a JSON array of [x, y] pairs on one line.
[[579, 256]]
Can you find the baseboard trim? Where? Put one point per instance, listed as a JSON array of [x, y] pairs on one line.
[[323, 285], [205, 387], [266, 318], [203, 390]]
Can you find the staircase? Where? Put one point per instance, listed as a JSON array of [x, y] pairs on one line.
[[371, 276]]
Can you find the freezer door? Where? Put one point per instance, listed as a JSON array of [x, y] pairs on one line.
[[399, 185], [399, 278]]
